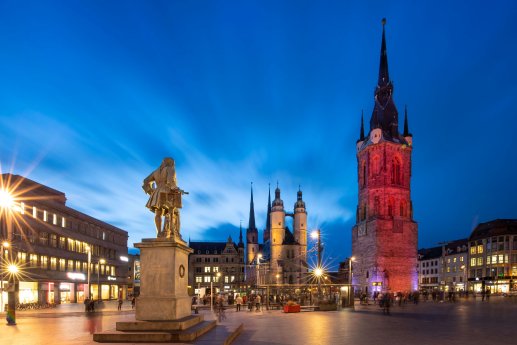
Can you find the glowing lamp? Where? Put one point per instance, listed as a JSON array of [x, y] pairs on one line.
[[6, 199]]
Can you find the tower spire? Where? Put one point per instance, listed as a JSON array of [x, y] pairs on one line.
[[251, 225], [267, 232], [406, 126], [361, 133], [384, 76], [240, 235]]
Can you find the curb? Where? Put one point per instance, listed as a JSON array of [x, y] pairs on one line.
[[231, 338]]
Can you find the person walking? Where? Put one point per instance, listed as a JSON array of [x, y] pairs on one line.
[[257, 303], [239, 302], [120, 301], [133, 302]]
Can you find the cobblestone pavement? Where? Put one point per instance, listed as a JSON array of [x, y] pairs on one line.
[[466, 322]]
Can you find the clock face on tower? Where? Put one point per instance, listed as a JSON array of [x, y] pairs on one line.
[[375, 135]]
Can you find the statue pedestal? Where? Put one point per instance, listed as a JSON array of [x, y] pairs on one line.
[[163, 280]]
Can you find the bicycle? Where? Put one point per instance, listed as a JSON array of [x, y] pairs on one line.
[[221, 315]]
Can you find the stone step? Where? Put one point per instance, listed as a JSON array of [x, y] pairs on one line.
[[189, 334], [221, 335], [160, 326]]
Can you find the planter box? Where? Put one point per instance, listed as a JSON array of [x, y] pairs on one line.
[[291, 308], [328, 307]]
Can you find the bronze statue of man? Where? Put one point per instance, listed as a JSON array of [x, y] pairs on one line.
[[165, 199]]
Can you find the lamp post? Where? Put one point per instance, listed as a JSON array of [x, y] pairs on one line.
[[212, 291], [89, 250], [350, 292], [259, 256], [11, 309], [101, 262], [6, 206], [5, 245], [319, 270]]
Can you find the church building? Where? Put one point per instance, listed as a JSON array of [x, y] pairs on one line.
[[282, 257], [385, 237]]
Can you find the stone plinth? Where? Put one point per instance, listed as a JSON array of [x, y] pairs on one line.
[[163, 280]]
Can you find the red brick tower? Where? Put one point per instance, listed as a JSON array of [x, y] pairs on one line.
[[385, 237]]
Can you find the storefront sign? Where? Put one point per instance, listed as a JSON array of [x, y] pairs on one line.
[[76, 276], [112, 278]]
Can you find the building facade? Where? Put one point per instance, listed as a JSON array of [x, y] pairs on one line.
[[52, 245], [217, 265], [492, 260], [282, 257], [385, 237], [443, 268]]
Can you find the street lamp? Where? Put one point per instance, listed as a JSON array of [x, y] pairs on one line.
[[101, 262], [218, 275], [7, 204], [5, 245], [12, 269], [318, 272], [350, 293], [259, 256], [89, 250]]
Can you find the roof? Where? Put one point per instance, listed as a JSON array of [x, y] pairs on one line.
[[210, 246], [453, 246], [497, 227], [429, 253], [289, 237]]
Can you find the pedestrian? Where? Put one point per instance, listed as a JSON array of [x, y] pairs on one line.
[[483, 292], [239, 302], [488, 292], [120, 303], [92, 305], [257, 303], [133, 302]]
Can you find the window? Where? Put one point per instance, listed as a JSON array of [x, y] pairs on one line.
[[449, 260], [232, 279], [480, 261], [103, 236], [71, 245], [226, 279], [43, 238], [63, 222], [53, 240], [33, 260], [461, 258], [22, 257], [34, 212], [207, 269], [199, 270], [53, 263], [198, 259], [70, 267], [22, 208], [494, 259], [216, 269], [62, 242], [395, 172], [207, 259], [488, 260], [43, 263], [472, 261], [45, 216], [480, 249], [472, 250], [206, 279], [62, 263], [54, 219], [448, 269], [199, 279], [501, 258], [454, 260]]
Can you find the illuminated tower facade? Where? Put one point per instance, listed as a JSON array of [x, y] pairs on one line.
[[385, 237]]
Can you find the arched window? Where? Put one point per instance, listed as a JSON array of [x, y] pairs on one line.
[[362, 176], [395, 172], [391, 203], [403, 208], [376, 165]]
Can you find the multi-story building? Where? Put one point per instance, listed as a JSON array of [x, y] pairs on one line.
[[133, 283], [216, 264], [282, 258], [492, 260], [429, 268], [52, 244], [443, 268], [454, 259], [385, 237]]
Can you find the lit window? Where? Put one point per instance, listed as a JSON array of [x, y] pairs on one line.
[[448, 260], [494, 259], [216, 269], [103, 236], [207, 279], [54, 219], [506, 258], [488, 260], [480, 249], [454, 260], [22, 208], [472, 250], [43, 261], [448, 269], [207, 269], [34, 212], [199, 279], [45, 216], [33, 260], [62, 264], [226, 279], [53, 263], [232, 279], [461, 258], [501, 258], [480, 261], [70, 265], [472, 261], [63, 222]]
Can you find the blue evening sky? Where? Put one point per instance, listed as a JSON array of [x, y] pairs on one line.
[[93, 94]]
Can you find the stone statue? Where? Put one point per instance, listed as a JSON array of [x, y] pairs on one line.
[[165, 200]]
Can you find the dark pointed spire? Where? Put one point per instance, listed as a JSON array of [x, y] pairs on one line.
[[406, 126], [251, 225], [384, 76], [361, 133]]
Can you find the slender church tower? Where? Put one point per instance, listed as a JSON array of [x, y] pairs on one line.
[[252, 246], [385, 237], [300, 224], [277, 233]]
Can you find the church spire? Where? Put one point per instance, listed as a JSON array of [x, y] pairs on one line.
[[240, 244], [251, 225], [384, 76], [406, 126], [361, 133]]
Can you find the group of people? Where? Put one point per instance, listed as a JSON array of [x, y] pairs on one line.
[[89, 304]]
